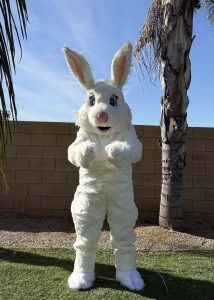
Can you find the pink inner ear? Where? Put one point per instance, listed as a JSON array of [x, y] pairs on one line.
[[78, 70], [121, 68]]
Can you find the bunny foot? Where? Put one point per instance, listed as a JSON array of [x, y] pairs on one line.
[[81, 281], [130, 279]]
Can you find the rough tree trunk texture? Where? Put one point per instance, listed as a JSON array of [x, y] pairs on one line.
[[176, 40]]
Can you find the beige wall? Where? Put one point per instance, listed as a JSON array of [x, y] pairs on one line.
[[42, 182]]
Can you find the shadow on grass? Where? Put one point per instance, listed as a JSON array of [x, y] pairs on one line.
[[160, 286], [17, 223]]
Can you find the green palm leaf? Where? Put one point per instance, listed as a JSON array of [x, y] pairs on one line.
[[9, 33]]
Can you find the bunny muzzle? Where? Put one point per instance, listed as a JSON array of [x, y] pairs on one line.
[[102, 118]]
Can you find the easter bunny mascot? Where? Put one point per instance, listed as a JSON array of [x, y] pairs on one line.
[[105, 148]]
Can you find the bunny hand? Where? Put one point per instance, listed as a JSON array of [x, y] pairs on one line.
[[87, 154], [117, 153]]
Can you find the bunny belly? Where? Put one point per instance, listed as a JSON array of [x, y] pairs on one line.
[[104, 177]]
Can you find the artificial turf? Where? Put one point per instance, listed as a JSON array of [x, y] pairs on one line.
[[42, 274]]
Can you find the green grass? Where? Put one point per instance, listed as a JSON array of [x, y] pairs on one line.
[[42, 274]]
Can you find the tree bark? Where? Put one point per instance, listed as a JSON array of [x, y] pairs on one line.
[[176, 40]]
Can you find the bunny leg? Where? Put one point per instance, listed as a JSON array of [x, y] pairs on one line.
[[88, 213], [122, 216]]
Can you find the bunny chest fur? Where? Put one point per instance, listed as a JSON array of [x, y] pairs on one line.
[[103, 175]]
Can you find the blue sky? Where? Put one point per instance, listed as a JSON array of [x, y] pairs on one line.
[[47, 91]]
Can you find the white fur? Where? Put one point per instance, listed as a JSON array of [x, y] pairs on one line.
[[79, 67], [105, 159], [131, 279], [121, 65], [81, 281]]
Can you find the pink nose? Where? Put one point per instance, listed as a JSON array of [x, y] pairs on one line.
[[102, 117]]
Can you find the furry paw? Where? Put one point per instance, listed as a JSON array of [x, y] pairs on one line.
[[116, 153], [114, 149], [88, 150], [81, 281], [130, 279], [87, 153]]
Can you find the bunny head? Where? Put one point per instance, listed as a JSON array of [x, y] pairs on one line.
[[105, 111]]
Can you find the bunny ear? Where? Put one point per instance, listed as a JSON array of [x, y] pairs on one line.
[[121, 64], [79, 67]]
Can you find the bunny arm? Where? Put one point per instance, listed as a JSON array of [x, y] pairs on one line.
[[81, 152], [127, 151]]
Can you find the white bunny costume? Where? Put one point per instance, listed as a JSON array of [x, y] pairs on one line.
[[105, 149]]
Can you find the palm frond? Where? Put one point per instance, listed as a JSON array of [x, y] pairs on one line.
[[148, 47], [9, 33], [209, 9]]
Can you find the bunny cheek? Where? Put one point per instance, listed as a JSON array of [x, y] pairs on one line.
[[83, 119]]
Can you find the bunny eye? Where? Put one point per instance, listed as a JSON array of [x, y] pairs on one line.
[[92, 100], [113, 100]]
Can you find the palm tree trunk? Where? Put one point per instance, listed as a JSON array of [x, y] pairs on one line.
[[176, 40]]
